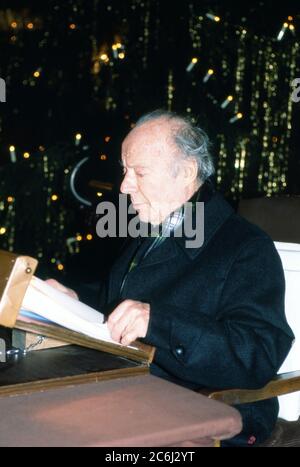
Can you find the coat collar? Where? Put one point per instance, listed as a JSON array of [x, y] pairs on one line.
[[216, 213]]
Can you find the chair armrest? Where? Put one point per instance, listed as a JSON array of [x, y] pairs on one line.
[[284, 383]]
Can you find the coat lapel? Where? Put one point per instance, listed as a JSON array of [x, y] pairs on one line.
[[216, 213]]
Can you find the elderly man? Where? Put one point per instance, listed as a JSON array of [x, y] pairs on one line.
[[215, 313]]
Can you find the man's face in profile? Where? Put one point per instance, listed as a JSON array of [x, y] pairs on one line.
[[150, 176]]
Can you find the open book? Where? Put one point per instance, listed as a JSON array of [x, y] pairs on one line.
[[44, 303], [29, 304], [50, 312]]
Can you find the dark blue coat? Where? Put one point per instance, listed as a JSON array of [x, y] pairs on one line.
[[217, 312]]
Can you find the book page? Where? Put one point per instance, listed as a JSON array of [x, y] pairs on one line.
[[54, 305]]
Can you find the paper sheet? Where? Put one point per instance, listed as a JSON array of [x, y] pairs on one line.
[[56, 306]]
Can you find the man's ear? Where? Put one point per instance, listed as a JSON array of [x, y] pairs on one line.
[[190, 171]]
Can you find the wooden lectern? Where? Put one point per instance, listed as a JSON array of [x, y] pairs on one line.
[[27, 373]]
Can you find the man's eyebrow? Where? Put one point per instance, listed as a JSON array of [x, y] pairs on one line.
[[133, 166]]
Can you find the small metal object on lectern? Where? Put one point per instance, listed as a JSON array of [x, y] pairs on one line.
[[2, 351]]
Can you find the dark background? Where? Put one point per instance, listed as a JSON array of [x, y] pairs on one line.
[[77, 91]]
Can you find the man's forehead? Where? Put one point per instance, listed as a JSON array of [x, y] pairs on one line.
[[147, 141], [141, 150], [150, 132]]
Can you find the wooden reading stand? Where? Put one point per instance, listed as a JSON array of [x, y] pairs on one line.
[[59, 366]]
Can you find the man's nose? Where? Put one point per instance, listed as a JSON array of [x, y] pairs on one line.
[[128, 184]]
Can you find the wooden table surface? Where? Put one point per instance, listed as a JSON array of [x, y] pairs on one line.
[[131, 411]]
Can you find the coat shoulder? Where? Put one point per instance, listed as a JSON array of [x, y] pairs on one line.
[[240, 231]]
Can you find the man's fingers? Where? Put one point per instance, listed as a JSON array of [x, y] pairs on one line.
[[118, 312], [129, 337], [118, 328], [136, 328], [58, 286], [54, 284], [129, 321]]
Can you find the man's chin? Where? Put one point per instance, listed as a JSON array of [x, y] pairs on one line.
[[152, 222], [148, 215], [146, 218]]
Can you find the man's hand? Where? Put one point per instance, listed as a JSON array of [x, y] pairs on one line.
[[62, 288], [129, 321]]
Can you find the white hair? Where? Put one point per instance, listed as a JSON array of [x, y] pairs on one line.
[[190, 140]]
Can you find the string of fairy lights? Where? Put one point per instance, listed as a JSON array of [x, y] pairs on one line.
[[235, 77], [270, 120]]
